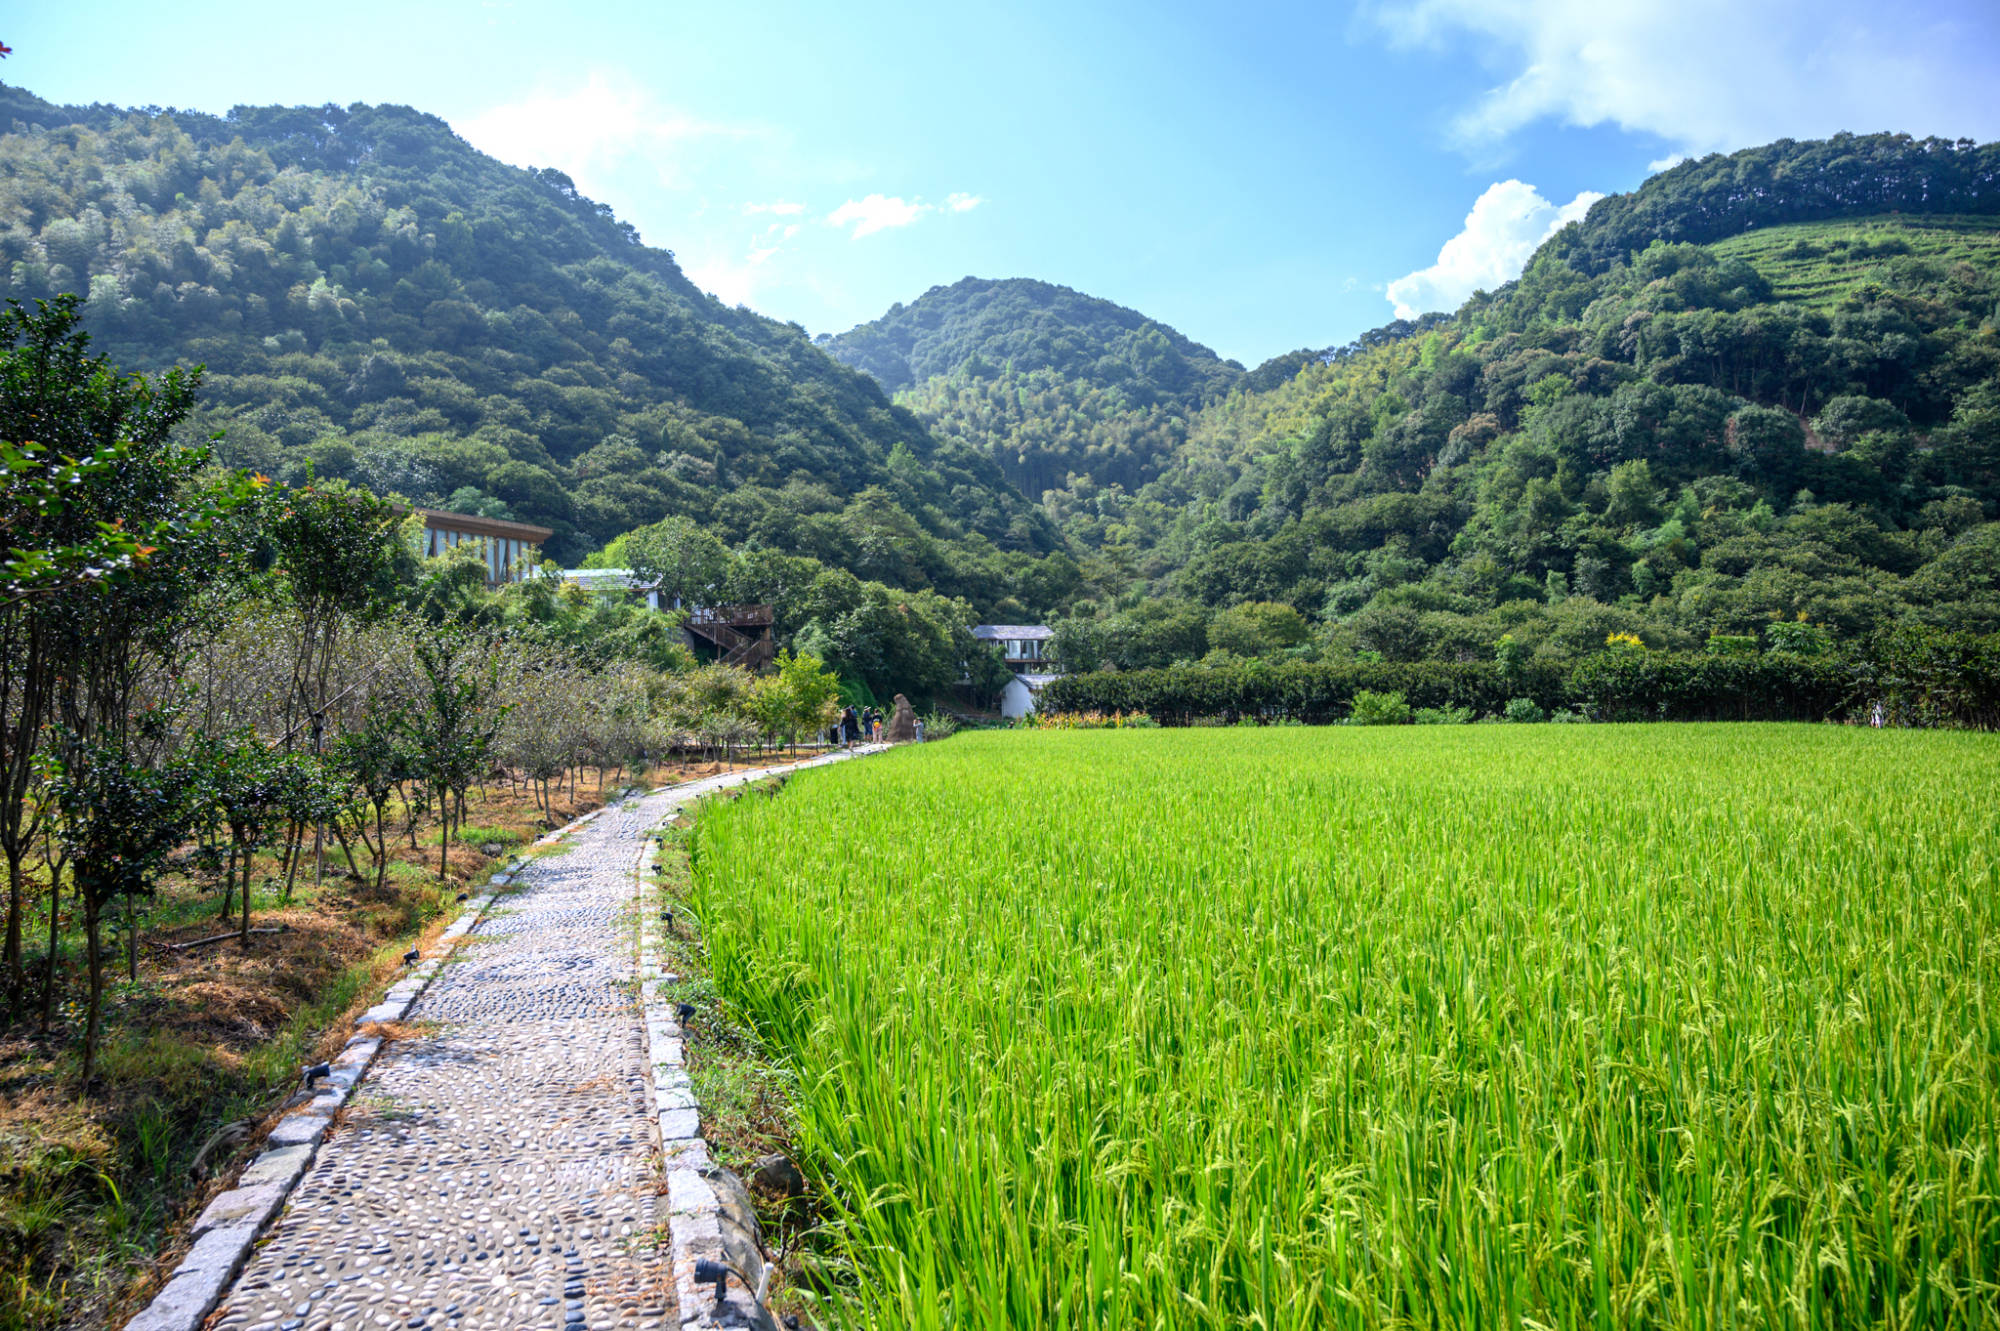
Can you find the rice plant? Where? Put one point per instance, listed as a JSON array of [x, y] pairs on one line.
[[1411, 1026]]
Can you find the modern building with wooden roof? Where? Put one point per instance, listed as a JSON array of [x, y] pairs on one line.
[[508, 547]]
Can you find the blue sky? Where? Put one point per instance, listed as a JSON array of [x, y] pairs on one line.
[[1261, 177]]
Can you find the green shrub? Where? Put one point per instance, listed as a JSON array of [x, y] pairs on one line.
[[1379, 709], [1918, 676], [1524, 711], [1568, 717], [1315, 692], [1442, 716], [1801, 639], [1687, 686]]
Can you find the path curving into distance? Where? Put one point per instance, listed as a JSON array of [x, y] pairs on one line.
[[501, 1170]]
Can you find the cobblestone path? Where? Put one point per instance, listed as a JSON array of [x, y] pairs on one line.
[[499, 1172]]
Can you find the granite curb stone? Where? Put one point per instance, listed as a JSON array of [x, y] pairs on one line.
[[709, 1216]]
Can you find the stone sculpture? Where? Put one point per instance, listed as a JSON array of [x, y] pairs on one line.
[[903, 725]]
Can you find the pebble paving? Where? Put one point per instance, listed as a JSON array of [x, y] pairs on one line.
[[496, 1171]]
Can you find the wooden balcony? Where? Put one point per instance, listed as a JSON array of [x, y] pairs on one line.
[[732, 616]]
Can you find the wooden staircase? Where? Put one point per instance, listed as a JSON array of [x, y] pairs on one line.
[[740, 634]]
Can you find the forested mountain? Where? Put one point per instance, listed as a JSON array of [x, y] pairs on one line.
[[1025, 325], [371, 294], [1046, 381], [1848, 175], [1795, 422], [1759, 388]]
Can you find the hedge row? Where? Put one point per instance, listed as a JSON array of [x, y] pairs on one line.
[[1908, 677], [1317, 693]]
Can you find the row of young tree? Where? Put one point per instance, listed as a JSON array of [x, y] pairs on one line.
[[199, 662]]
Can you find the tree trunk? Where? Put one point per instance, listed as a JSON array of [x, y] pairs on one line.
[[55, 941], [228, 881], [382, 847], [340, 835], [244, 936], [298, 845], [16, 978], [94, 961], [444, 837]]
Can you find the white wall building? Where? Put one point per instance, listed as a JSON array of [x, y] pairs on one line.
[[1018, 698]]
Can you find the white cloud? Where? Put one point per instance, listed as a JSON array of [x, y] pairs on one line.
[[779, 209], [1714, 75], [963, 203], [1501, 232], [590, 129], [733, 281], [877, 212]]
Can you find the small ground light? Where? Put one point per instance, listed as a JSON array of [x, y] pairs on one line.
[[314, 1073], [412, 957], [705, 1271], [686, 1011]]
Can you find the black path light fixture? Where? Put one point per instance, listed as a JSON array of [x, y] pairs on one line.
[[706, 1271], [413, 956], [686, 1011]]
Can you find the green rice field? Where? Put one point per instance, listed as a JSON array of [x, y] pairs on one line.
[[1494, 1026]]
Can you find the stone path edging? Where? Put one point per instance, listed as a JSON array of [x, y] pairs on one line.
[[710, 1221], [230, 1225]]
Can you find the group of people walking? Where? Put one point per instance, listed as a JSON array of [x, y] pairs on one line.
[[865, 727], [862, 727]]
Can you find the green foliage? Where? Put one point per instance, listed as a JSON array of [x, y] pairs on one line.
[[1683, 439], [1799, 638], [1917, 676], [686, 564], [1929, 677], [1378, 709], [1315, 692], [985, 328], [1849, 175], [450, 730], [1256, 628], [1068, 395], [375, 299], [1684, 686], [1442, 716]]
